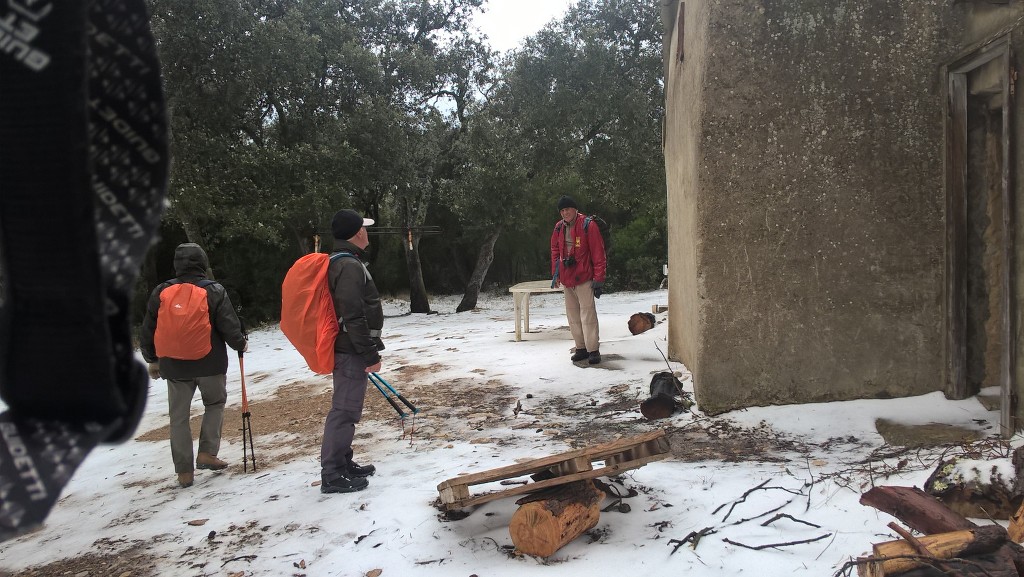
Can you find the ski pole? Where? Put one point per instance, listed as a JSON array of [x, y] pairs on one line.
[[396, 393], [394, 405], [246, 422]]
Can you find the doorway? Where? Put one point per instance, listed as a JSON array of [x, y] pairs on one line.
[[978, 224]]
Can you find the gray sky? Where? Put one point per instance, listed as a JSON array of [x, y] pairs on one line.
[[507, 22]]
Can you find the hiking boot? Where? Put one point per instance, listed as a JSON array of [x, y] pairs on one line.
[[579, 355], [208, 461], [343, 484], [360, 471], [185, 479], [595, 357]]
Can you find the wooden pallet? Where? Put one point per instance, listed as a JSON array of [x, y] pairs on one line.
[[613, 458]]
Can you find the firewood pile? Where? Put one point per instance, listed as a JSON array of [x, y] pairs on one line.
[[949, 544]]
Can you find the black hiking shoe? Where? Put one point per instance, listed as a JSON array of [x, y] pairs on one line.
[[343, 484], [595, 357], [579, 355], [355, 470]]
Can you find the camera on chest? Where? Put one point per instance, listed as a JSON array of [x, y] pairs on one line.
[[569, 261]]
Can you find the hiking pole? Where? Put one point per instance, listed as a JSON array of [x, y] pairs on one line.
[[246, 422], [394, 405], [396, 393]]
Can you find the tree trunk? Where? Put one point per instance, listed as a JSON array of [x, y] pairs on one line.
[[917, 509], [483, 264], [553, 518], [192, 232], [460, 268], [418, 302]]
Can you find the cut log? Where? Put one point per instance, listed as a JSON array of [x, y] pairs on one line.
[[917, 509], [998, 563], [550, 519], [964, 543], [640, 323]]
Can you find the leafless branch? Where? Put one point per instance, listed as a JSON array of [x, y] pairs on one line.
[[787, 516], [777, 545]]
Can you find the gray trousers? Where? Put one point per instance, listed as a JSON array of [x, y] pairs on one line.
[[581, 310], [179, 405], [350, 382]]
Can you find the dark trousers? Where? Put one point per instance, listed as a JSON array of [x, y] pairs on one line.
[[350, 382]]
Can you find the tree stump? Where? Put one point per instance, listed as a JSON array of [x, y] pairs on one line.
[[546, 521], [973, 492]]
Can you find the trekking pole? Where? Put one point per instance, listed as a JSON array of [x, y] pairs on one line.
[[394, 405], [396, 393], [376, 378], [246, 422]]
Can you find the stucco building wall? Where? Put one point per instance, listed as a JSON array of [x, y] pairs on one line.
[[804, 160]]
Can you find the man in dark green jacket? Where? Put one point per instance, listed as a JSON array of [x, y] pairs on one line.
[[208, 374], [356, 353]]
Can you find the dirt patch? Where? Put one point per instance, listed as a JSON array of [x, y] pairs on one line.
[[615, 413], [290, 424], [718, 440], [114, 558]]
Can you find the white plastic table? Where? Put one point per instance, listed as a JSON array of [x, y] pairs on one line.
[[521, 298]]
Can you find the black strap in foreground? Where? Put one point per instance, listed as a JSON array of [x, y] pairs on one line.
[[83, 175]]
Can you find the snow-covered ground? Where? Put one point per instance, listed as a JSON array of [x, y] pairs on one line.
[[124, 501]]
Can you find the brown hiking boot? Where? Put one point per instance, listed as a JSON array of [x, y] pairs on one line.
[[185, 479], [208, 461]]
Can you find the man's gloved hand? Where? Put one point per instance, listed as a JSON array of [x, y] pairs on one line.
[[597, 289], [154, 371]]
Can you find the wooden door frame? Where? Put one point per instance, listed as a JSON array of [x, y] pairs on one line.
[[955, 103]]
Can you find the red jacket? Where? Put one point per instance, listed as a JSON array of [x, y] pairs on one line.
[[588, 250]]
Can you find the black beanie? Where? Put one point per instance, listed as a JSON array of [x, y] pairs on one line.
[[346, 224], [566, 202]]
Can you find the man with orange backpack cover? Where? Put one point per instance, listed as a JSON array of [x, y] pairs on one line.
[[187, 323], [356, 352]]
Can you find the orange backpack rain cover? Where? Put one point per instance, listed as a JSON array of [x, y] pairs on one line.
[[307, 312], [183, 323]]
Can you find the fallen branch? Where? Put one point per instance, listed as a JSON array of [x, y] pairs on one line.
[[918, 546], [790, 517], [740, 500], [743, 498], [763, 514], [777, 545], [239, 558], [694, 537]]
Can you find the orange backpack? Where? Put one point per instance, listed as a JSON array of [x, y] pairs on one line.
[[183, 321], [308, 317]]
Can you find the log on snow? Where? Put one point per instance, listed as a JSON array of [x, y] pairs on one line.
[[998, 563], [549, 520], [917, 509], [965, 543]]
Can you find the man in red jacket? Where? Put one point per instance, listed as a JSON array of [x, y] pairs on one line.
[[578, 264]]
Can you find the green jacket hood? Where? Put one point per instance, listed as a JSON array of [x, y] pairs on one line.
[[190, 258]]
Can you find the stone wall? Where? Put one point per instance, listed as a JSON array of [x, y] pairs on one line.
[[804, 154]]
